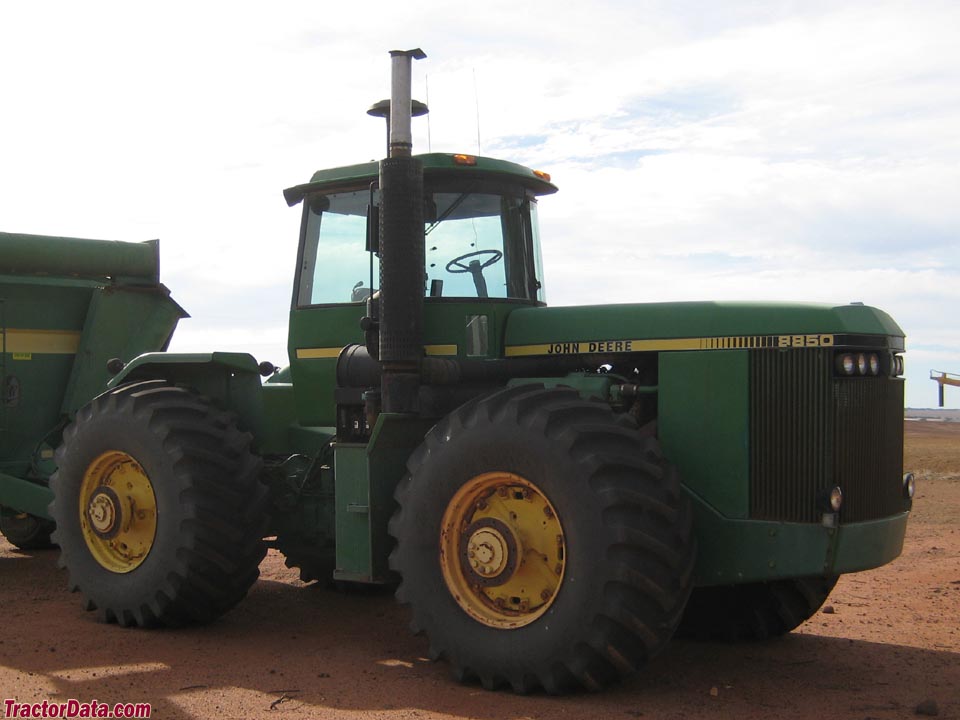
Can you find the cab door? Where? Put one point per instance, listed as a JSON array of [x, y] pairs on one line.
[[331, 286]]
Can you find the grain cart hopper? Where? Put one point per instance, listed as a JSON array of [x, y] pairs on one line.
[[556, 490], [67, 307]]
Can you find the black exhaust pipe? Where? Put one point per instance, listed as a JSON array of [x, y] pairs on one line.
[[401, 250]]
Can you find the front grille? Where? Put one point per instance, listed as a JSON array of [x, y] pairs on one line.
[[868, 447], [810, 431]]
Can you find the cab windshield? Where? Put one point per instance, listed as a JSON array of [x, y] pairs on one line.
[[479, 243]]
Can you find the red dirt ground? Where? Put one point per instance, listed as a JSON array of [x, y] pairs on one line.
[[891, 643]]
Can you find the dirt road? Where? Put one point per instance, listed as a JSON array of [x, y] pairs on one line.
[[887, 641]]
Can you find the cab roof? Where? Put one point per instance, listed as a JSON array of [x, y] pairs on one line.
[[433, 163]]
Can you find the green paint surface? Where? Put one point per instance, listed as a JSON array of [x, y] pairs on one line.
[[366, 477], [691, 319], [704, 424], [67, 306], [740, 551]]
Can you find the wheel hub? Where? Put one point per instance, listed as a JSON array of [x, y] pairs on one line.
[[104, 512], [489, 552]]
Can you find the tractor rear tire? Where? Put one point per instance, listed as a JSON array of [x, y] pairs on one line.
[[159, 507], [24, 531], [753, 611], [541, 543]]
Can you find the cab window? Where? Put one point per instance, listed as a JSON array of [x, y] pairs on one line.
[[477, 245], [336, 267]]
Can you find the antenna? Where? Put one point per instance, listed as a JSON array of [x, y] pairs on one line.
[[426, 83], [476, 102]]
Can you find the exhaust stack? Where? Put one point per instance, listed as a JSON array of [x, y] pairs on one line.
[[401, 104], [401, 249]]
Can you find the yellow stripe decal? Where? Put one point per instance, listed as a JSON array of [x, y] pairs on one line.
[[735, 342], [332, 352], [314, 353], [40, 342]]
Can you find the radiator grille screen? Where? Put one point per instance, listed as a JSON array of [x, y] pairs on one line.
[[868, 442], [810, 431]]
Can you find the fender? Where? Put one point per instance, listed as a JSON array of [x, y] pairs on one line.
[[231, 380]]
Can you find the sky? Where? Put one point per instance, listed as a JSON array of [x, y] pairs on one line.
[[764, 150]]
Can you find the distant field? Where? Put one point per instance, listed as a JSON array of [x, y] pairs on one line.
[[945, 415]]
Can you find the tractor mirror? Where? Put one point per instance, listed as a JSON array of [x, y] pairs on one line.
[[373, 228], [429, 210]]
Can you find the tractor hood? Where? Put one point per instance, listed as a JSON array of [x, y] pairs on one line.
[[695, 326]]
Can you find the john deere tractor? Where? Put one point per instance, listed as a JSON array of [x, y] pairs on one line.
[[556, 491]]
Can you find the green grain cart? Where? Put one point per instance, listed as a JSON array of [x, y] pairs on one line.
[[556, 490], [67, 307]]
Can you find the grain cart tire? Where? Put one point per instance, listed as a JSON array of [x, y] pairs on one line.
[[24, 531], [159, 506], [541, 543], [314, 565], [753, 611]]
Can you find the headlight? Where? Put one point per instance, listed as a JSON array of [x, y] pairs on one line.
[[864, 364], [898, 365], [830, 500], [909, 485], [836, 499], [846, 364]]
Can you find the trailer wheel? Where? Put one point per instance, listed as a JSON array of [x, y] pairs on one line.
[[753, 611], [24, 531], [541, 543], [314, 563], [159, 506]]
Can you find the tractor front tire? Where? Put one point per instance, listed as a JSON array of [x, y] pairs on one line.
[[753, 611], [541, 543], [159, 507]]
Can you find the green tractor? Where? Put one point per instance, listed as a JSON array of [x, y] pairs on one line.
[[557, 491]]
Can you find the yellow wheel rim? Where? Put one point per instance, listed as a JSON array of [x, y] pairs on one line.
[[502, 550], [118, 511]]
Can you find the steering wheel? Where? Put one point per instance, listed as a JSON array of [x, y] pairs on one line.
[[456, 265]]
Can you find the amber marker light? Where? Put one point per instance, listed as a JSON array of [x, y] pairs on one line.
[[542, 175], [464, 159]]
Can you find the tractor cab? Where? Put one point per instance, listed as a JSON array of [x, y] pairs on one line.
[[481, 260], [480, 227]]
